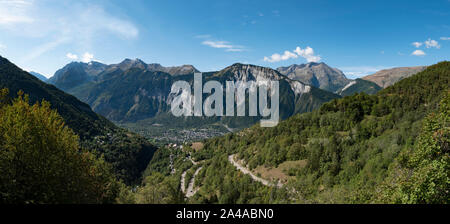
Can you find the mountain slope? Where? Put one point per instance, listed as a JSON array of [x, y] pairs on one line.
[[388, 77], [75, 74], [39, 76], [127, 152], [359, 86], [319, 75], [341, 153]]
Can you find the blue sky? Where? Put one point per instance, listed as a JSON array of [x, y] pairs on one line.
[[358, 37]]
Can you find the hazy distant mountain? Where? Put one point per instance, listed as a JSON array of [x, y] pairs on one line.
[[319, 75], [128, 153], [39, 76], [132, 90], [387, 77]]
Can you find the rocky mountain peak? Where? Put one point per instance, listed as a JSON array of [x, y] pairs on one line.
[[316, 74]]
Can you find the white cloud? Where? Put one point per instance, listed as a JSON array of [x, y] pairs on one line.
[[15, 11], [277, 57], [418, 53], [217, 44], [93, 19], [43, 48], [223, 45], [417, 44], [87, 57], [432, 43], [307, 53], [445, 38], [2, 46], [72, 56]]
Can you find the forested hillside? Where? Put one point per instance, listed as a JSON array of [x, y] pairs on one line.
[[127, 152], [358, 149]]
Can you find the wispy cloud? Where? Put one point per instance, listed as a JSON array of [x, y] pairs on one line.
[[79, 25], [43, 48], [15, 11], [71, 56], [307, 53], [418, 53], [445, 38], [227, 46], [217, 44], [2, 46]]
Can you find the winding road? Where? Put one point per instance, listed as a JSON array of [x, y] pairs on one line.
[[190, 191], [253, 176]]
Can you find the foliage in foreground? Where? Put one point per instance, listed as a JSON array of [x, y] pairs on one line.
[[41, 160], [422, 175]]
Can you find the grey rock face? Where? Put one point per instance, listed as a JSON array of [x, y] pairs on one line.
[[319, 75]]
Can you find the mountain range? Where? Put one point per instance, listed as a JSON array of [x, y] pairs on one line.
[[132, 90], [78, 73], [322, 76], [137, 95]]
